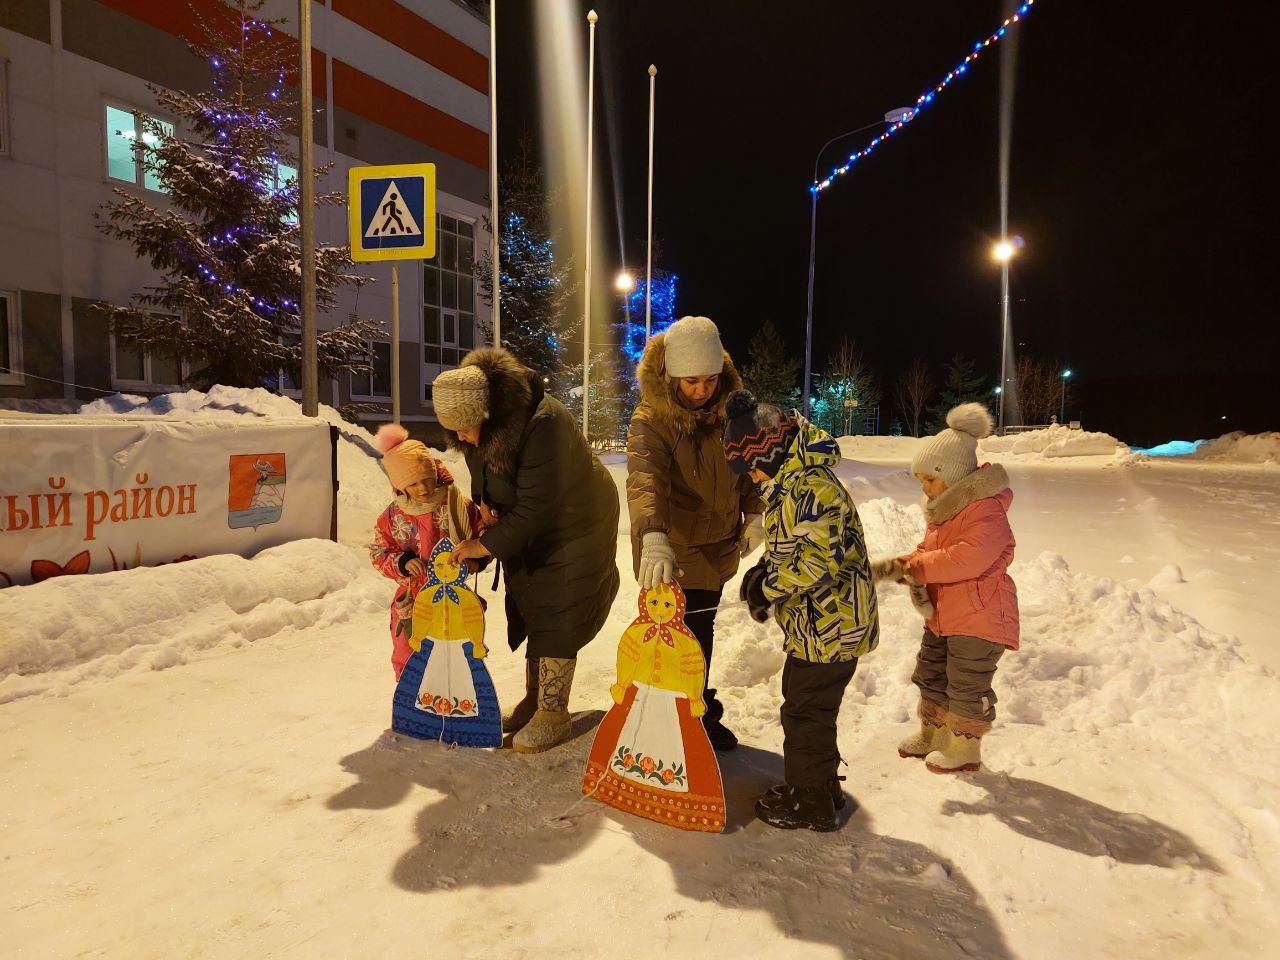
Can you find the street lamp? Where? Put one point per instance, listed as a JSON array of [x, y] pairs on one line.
[[1062, 407], [900, 115], [624, 282], [1003, 252]]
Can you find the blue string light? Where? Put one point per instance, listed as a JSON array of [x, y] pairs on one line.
[[925, 99]]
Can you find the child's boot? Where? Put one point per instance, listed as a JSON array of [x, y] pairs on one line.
[[932, 732], [550, 724], [522, 713], [961, 750], [792, 808]]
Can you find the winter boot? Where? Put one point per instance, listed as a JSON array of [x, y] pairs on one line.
[[550, 724], [837, 795], [958, 753], [920, 745], [523, 711], [721, 737], [791, 808]]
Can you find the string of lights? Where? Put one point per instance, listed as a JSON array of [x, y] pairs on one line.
[[926, 99]]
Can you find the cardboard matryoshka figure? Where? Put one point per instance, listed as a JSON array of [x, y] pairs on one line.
[[651, 756], [445, 692]]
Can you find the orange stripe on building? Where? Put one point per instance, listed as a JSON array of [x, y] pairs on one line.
[[353, 89], [385, 105], [408, 31]]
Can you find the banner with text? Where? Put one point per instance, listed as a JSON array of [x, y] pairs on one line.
[[92, 494]]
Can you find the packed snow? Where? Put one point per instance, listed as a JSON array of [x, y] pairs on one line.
[[199, 762]]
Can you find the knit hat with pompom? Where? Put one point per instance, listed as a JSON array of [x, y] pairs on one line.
[[953, 454], [758, 435], [406, 461]]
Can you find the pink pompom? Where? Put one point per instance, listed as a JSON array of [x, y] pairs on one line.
[[390, 435]]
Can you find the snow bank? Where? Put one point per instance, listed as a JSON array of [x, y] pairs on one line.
[[1240, 447], [1055, 441], [878, 448], [157, 617]]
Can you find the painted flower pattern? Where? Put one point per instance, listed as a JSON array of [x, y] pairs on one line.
[[448, 707], [624, 761]]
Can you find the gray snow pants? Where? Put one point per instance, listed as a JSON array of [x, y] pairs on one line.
[[955, 673]]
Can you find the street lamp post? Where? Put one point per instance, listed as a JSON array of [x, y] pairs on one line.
[[893, 116], [1062, 405], [1003, 251]]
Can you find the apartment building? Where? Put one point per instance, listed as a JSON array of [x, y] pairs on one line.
[[394, 81]]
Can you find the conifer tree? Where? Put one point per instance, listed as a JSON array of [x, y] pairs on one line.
[[227, 246], [962, 385], [770, 373]]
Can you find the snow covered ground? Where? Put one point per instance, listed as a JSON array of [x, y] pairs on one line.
[[197, 763]]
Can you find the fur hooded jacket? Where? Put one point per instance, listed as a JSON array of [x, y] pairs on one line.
[[678, 481], [557, 510], [964, 558]]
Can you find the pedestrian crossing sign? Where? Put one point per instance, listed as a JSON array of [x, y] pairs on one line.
[[391, 212]]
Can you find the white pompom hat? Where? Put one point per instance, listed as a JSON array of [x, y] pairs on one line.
[[953, 454]]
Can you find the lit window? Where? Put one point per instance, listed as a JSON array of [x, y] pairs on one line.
[[130, 134], [448, 295], [10, 339], [287, 176], [378, 383]]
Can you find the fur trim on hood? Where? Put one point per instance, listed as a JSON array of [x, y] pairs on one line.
[[511, 399], [984, 482], [659, 393]]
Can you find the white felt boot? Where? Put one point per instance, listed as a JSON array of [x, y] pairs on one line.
[[957, 754]]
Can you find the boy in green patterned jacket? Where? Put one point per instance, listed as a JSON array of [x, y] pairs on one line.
[[816, 580]]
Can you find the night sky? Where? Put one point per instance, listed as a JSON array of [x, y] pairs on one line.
[[1136, 180]]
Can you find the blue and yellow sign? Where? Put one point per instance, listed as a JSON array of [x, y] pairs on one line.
[[391, 212]]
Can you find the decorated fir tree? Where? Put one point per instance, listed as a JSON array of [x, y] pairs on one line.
[[227, 244], [536, 287]]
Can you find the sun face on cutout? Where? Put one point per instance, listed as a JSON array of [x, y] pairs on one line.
[[445, 569], [660, 604]]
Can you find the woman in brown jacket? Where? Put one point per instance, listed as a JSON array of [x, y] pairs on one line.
[[691, 518]]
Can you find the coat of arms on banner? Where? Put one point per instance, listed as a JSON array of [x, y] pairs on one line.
[[651, 756], [445, 692], [255, 490]]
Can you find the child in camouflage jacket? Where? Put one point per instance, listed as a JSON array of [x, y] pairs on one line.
[[816, 579]]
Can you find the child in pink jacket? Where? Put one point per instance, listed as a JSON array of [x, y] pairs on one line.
[[962, 564], [427, 508]]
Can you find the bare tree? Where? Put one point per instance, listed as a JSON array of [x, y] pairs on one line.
[[846, 390], [1036, 382], [912, 393]]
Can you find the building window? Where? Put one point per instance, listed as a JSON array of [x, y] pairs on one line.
[[4, 108], [377, 383], [134, 366], [10, 339], [448, 295], [128, 140], [287, 176]]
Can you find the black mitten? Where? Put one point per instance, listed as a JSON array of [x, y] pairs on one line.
[[752, 593]]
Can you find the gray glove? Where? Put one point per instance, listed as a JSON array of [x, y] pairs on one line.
[[657, 560], [752, 534]]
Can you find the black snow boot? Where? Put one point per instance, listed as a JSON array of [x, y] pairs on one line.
[[721, 737], [791, 808]]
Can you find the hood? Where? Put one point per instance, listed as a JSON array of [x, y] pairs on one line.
[[810, 447], [659, 393], [988, 481], [513, 395]]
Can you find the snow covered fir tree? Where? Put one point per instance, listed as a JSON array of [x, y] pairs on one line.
[[227, 243]]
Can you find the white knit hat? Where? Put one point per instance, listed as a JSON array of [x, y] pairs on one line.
[[953, 454], [693, 348], [461, 398]]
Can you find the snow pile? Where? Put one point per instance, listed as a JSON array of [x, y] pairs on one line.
[[1055, 441], [157, 617], [1240, 447], [878, 448]]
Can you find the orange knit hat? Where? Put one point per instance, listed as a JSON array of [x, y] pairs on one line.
[[406, 461]]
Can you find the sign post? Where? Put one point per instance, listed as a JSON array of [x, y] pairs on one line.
[[391, 215]]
